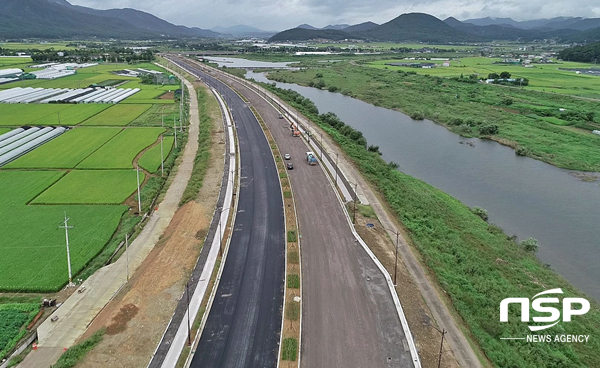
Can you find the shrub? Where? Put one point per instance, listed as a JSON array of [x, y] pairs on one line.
[[292, 236], [332, 89], [530, 245], [507, 101], [480, 212], [417, 115], [290, 349], [522, 151], [489, 129], [293, 281]]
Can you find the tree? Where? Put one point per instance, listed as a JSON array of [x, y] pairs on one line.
[[505, 75], [493, 76]]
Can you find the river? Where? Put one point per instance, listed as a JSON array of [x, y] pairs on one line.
[[526, 197]]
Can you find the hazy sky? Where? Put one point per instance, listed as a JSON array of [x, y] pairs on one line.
[[284, 14]]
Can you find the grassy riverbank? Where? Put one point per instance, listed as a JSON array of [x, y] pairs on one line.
[[474, 262], [529, 121]]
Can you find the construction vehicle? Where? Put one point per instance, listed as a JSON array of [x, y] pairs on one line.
[[295, 131], [310, 158]]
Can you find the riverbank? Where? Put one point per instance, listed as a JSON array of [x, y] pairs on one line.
[[474, 262], [530, 122]]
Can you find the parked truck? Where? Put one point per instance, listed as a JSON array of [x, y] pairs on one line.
[[310, 158]]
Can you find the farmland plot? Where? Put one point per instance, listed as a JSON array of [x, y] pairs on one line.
[[13, 317], [91, 187], [18, 114], [72, 115], [32, 252], [151, 159], [118, 115], [67, 150], [120, 151]]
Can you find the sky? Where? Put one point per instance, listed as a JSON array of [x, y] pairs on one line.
[[277, 15]]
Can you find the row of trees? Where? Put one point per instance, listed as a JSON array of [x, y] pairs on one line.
[[585, 54]]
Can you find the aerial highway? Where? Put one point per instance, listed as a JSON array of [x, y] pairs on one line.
[[244, 324], [349, 316]]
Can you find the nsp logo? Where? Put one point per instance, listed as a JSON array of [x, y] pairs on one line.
[[538, 305]]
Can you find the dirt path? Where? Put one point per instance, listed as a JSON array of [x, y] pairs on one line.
[[136, 319]]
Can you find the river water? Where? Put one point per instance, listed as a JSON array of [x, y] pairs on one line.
[[525, 197]]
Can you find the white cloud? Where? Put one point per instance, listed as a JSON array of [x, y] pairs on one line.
[[283, 14]]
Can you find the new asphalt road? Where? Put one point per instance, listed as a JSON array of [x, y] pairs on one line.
[[244, 324], [348, 316]]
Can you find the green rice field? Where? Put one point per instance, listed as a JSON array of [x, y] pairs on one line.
[[91, 187], [119, 115], [32, 250], [39, 187], [150, 161], [120, 151], [67, 150]]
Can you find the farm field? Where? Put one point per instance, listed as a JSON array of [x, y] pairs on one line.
[[119, 115], [13, 316], [156, 115], [72, 115], [67, 150], [4, 130], [91, 187], [36, 46], [47, 114], [542, 77], [32, 245], [8, 62], [120, 151], [150, 161]]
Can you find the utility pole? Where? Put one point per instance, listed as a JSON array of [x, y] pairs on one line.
[[181, 107], [441, 347], [396, 264], [175, 131], [58, 112], [336, 168], [138, 186], [162, 117], [355, 198], [67, 227], [187, 292], [127, 254], [162, 157]]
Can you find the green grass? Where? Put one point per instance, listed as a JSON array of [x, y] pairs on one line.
[[290, 349], [463, 107], [118, 115], [5, 130], [120, 151], [151, 159], [76, 353], [292, 236], [293, 257], [91, 187], [462, 252], [67, 150], [36, 46], [293, 281], [206, 104], [13, 318], [32, 246]]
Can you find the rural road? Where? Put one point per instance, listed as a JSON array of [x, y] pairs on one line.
[[244, 323], [349, 317]]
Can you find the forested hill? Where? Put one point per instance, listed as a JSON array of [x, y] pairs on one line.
[[586, 54]]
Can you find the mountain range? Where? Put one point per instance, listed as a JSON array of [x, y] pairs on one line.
[[242, 30], [427, 28], [60, 19]]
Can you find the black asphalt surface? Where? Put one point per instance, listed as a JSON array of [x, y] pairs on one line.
[[244, 324]]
